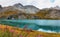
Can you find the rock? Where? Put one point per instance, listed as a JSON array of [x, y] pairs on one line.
[[19, 6], [1, 7], [31, 9], [54, 13], [27, 9]]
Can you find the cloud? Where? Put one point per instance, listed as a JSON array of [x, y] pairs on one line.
[[7, 2], [38, 3]]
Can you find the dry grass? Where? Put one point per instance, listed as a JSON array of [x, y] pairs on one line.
[[9, 31]]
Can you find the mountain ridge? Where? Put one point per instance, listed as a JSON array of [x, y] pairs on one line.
[[30, 11]]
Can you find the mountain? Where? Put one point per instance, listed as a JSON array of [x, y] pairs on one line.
[[28, 8], [1, 7], [31, 9], [19, 11], [57, 7], [19, 6], [50, 13]]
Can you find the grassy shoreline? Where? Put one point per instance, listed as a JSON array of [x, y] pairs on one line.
[[9, 31]]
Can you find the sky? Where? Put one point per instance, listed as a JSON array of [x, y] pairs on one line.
[[38, 3]]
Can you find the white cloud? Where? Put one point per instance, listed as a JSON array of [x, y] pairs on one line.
[[7, 2], [37, 3]]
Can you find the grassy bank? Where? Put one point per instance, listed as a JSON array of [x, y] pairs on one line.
[[9, 31]]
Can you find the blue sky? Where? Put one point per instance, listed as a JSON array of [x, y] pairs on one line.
[[38, 3]]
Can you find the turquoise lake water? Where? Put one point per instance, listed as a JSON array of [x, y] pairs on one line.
[[47, 25]]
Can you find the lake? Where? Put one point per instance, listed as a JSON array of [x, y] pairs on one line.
[[39, 25]]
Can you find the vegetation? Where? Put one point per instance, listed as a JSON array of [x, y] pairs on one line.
[[7, 13], [9, 31], [42, 13]]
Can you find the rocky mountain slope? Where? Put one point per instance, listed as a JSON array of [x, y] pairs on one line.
[[27, 9], [19, 11], [51, 13]]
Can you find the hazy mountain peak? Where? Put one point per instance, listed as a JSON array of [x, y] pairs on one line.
[[31, 9], [1, 7], [29, 6], [56, 7], [18, 4]]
